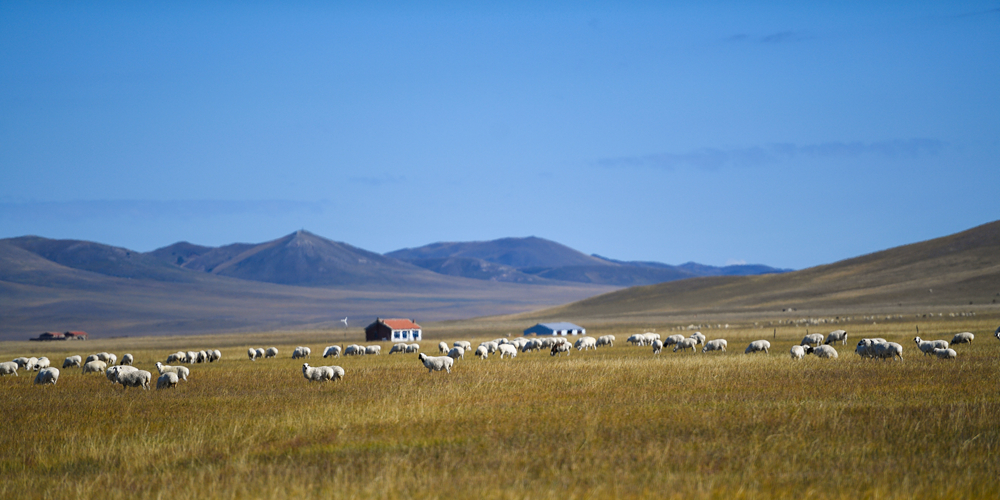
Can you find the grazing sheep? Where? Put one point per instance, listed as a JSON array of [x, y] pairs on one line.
[[436, 363], [442, 347], [824, 351], [458, 352], [167, 381], [997, 333], [506, 350], [836, 336], [373, 350], [333, 350], [812, 339], [636, 339], [32, 361], [672, 340], [179, 357], [304, 352], [127, 359], [608, 340], [272, 352], [560, 347], [113, 372], [465, 345], [963, 338], [798, 352], [587, 343], [688, 343], [21, 362], [136, 378], [8, 368], [758, 346], [72, 361], [201, 357], [866, 348], [715, 345], [260, 353], [47, 376], [945, 353], [322, 373], [890, 350], [699, 337], [548, 342], [42, 362], [354, 350], [657, 346], [216, 355], [532, 345], [400, 348], [482, 352], [928, 346], [181, 371], [94, 367], [491, 347], [251, 353], [413, 348], [192, 356]]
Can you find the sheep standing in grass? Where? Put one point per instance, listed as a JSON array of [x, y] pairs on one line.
[[442, 347], [8, 368], [963, 338], [532, 345], [657, 346], [136, 378], [127, 359], [400, 348], [333, 350], [812, 339], [491, 347], [889, 350], [373, 350], [699, 337], [688, 343], [304, 352], [251, 353], [113, 372], [42, 362], [167, 381], [181, 371], [413, 348], [715, 345], [179, 357], [94, 367], [464, 344], [216, 355], [798, 351], [758, 346], [482, 352], [672, 340], [458, 352], [436, 363], [928, 346], [272, 352], [997, 333], [30, 366], [260, 353], [588, 343], [72, 361], [507, 350], [561, 347], [609, 340], [836, 336], [322, 373], [945, 353], [47, 376], [354, 350], [22, 362], [824, 351]]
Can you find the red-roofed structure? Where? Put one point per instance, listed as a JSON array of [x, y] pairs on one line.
[[395, 330], [76, 335], [50, 336]]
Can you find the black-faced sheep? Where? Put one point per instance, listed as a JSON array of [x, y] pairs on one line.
[[42, 362], [272, 352], [127, 359], [928, 346], [560, 348]]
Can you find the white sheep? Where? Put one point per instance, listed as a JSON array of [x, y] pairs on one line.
[[47, 376], [436, 363], [608, 340], [636, 339], [836, 336], [400, 348], [482, 352], [491, 347], [354, 350], [127, 359], [167, 381], [92, 357], [560, 348], [333, 350], [890, 350], [532, 345], [928, 346], [216, 355], [72, 361], [260, 353], [113, 372], [812, 339], [457, 352], [272, 352], [758, 346], [715, 345], [305, 352], [945, 353], [699, 337], [963, 338], [22, 362], [251, 353], [30, 366], [42, 362], [465, 345], [798, 352], [180, 356], [657, 346], [413, 348], [373, 350], [192, 356], [442, 347], [824, 351], [688, 343], [547, 342], [136, 378], [96, 366], [587, 343], [672, 340], [506, 350], [8, 368], [322, 373], [201, 357], [181, 371]]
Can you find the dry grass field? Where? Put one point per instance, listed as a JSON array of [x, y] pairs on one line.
[[613, 423]]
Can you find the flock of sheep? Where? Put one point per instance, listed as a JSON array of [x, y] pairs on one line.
[[128, 376]]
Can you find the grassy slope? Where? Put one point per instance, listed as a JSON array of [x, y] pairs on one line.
[[611, 423]]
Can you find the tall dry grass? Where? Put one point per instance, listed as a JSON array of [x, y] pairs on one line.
[[613, 423]]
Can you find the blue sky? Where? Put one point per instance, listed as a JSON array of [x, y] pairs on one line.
[[788, 133]]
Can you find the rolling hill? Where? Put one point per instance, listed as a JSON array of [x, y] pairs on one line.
[[959, 270]]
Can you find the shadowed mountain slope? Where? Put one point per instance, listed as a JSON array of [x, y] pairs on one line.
[[519, 253], [961, 269]]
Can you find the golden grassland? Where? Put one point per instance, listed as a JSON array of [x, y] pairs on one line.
[[612, 423]]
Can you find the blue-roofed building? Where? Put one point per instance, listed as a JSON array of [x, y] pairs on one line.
[[556, 329]]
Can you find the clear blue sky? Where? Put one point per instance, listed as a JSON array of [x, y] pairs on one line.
[[789, 133]]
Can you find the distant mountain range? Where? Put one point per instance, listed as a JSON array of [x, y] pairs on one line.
[[537, 260]]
